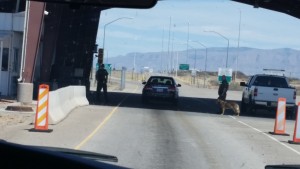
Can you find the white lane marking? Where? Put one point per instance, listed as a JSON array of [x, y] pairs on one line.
[[271, 137], [250, 126], [286, 146], [233, 117]]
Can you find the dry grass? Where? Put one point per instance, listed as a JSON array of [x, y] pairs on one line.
[[198, 81], [130, 75], [211, 80]]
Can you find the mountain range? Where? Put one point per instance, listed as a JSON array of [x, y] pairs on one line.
[[250, 60]]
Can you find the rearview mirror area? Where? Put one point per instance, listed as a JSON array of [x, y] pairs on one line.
[[178, 85], [282, 166], [143, 83], [139, 4]]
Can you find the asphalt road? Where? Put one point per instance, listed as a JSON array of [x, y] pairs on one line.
[[159, 135], [192, 135]]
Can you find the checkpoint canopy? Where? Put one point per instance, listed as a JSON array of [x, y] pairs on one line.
[[227, 72]]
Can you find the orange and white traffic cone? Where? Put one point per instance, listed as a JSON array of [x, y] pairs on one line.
[[296, 138], [41, 117], [279, 128]]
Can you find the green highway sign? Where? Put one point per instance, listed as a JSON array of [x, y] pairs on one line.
[[228, 78], [184, 67], [108, 68]]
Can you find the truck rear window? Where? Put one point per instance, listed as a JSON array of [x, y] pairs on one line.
[[269, 81]]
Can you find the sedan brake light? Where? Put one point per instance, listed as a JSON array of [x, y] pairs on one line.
[[172, 88], [148, 87]]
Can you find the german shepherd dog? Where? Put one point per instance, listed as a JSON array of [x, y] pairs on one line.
[[229, 105]]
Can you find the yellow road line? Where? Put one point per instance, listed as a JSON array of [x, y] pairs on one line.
[[102, 123]]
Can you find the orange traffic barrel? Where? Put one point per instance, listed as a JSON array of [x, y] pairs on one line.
[[41, 117], [279, 128], [296, 138]]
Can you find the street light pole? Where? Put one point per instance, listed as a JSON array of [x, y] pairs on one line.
[[176, 67], [105, 31], [177, 64], [237, 57], [162, 50], [227, 44], [172, 53], [195, 59], [205, 64], [193, 79], [169, 45], [187, 43]]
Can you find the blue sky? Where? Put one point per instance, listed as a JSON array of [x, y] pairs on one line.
[[260, 28]]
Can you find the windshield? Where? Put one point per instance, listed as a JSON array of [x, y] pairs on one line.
[[82, 77]]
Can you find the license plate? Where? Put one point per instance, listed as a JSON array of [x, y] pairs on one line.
[[274, 104], [159, 90]]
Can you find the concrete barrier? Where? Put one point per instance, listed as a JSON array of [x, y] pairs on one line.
[[64, 100]]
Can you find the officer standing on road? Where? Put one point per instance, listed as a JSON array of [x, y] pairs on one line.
[[223, 89], [101, 77]]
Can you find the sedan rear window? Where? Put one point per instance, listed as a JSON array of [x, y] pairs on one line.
[[161, 81]]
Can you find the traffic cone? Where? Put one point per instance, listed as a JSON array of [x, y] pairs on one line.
[[41, 117], [296, 138], [279, 128]]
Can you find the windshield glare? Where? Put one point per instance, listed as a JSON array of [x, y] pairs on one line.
[[73, 80]]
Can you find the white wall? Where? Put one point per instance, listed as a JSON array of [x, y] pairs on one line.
[[5, 21], [11, 27], [18, 21], [15, 62], [9, 21]]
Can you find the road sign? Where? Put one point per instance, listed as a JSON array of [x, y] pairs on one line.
[[227, 72], [97, 66], [194, 72], [108, 68], [184, 67]]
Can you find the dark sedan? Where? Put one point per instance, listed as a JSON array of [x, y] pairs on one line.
[[162, 87]]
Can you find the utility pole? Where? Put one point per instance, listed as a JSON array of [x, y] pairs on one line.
[[237, 57]]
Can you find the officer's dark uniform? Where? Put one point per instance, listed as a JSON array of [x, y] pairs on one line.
[[223, 89], [101, 77]]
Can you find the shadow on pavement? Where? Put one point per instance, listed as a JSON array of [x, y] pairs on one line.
[[186, 104]]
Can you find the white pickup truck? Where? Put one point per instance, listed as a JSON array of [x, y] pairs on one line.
[[262, 92]]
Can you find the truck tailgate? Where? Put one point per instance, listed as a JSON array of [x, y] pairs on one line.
[[271, 94]]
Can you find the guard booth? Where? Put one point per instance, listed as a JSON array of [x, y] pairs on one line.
[[11, 36]]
